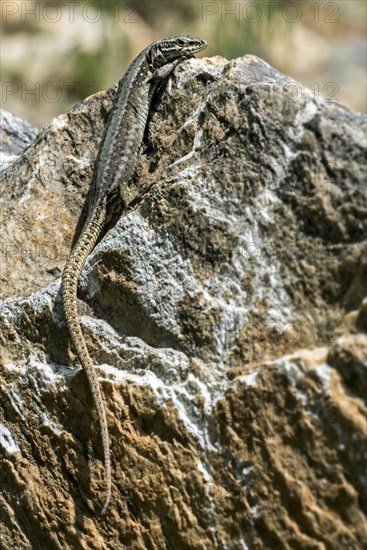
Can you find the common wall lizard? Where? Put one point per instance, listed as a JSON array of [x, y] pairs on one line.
[[114, 169]]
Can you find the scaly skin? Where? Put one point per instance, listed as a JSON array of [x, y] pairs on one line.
[[70, 280], [115, 168]]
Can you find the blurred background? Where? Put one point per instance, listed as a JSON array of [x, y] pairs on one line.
[[54, 54]]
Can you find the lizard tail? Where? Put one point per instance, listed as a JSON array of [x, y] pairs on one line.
[[69, 287]]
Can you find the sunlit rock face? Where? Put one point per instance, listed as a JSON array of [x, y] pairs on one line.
[[223, 312]]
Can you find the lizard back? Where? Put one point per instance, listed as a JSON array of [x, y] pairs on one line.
[[115, 167]]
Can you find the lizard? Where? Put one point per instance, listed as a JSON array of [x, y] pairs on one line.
[[114, 169]]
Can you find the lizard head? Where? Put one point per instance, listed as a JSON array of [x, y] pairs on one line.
[[168, 49]]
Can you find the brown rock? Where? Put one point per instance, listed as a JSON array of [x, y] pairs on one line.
[[223, 312]]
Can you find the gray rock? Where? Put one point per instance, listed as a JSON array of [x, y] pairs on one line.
[[15, 136], [221, 311]]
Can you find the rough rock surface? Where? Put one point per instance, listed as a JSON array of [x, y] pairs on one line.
[[224, 313]]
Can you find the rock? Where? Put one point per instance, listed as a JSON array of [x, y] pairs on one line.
[[224, 315], [15, 136]]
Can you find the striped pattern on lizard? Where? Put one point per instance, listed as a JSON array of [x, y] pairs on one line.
[[115, 168]]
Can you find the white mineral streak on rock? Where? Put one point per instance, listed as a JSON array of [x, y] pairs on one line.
[[7, 441]]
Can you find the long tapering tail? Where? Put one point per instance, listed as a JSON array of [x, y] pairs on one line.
[[69, 285]]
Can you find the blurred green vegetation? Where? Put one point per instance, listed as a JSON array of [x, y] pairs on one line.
[[231, 27], [82, 51], [92, 66], [241, 32]]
